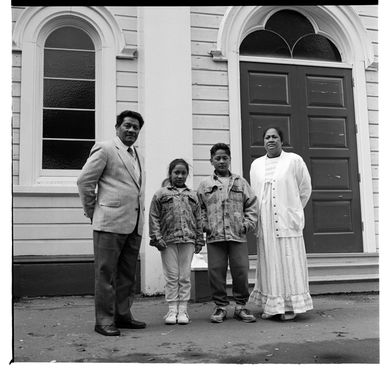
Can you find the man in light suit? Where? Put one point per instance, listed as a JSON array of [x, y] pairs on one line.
[[115, 170]]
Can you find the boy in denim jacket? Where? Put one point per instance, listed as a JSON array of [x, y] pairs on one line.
[[229, 211]]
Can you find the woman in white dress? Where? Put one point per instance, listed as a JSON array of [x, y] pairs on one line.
[[282, 184]]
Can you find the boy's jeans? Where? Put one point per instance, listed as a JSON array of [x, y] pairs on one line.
[[176, 262], [218, 256]]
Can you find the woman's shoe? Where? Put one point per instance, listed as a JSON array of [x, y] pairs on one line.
[[266, 316], [288, 316]]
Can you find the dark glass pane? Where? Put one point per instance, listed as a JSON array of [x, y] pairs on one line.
[[290, 25], [68, 124], [69, 38], [65, 155], [69, 94], [70, 64], [316, 47], [264, 43]]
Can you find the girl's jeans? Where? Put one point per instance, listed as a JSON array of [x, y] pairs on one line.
[[176, 262]]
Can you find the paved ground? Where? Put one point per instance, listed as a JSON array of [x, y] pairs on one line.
[[341, 329]]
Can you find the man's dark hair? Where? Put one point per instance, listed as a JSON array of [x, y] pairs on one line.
[[129, 113], [219, 146]]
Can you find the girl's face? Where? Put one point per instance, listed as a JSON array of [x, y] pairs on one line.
[[179, 175], [272, 142]]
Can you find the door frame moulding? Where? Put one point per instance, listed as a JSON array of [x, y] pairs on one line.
[[342, 25]]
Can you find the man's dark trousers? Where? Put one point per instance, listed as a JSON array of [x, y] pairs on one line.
[[116, 258]]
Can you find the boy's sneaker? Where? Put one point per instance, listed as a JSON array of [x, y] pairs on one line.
[[218, 315], [244, 315], [170, 318], [183, 318]]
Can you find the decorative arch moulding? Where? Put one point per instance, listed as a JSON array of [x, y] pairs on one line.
[[339, 23], [99, 18]]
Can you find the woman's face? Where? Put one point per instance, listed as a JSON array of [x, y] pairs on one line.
[[272, 143]]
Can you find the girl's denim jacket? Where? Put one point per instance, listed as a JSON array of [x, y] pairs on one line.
[[175, 217], [227, 215]]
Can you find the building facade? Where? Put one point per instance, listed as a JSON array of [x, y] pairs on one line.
[[198, 75]]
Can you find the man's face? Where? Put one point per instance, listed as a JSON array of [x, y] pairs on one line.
[[128, 131], [221, 162]]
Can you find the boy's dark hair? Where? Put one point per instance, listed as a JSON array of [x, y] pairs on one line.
[[129, 113], [219, 146], [172, 165], [279, 131]]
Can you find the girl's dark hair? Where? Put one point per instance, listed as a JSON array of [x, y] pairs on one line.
[[171, 166], [279, 131], [219, 146]]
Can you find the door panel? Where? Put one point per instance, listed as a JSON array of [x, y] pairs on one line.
[[314, 109]]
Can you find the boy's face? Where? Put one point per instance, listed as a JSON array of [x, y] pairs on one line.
[[221, 162]]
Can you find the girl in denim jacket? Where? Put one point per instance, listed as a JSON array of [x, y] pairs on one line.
[[176, 231]]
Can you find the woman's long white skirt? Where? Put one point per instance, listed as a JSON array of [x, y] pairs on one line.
[[281, 283]]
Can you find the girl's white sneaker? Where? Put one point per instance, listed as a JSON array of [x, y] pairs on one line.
[[170, 318], [183, 318]]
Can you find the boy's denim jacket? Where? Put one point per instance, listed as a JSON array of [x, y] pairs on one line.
[[175, 217], [227, 216]]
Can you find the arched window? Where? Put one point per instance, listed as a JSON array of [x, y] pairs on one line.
[[68, 94], [68, 99], [288, 34]]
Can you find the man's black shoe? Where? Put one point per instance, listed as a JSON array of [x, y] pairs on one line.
[[108, 330], [132, 324]]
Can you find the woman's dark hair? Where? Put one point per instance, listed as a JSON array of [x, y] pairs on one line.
[[219, 146], [129, 113], [279, 131], [171, 166]]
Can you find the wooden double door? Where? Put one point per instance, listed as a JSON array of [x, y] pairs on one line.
[[313, 106]]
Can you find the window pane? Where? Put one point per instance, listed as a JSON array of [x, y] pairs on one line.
[[290, 25], [316, 47], [69, 64], [69, 94], [264, 43], [68, 124], [65, 155], [69, 38]]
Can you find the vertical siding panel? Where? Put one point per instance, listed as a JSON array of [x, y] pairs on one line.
[[16, 89], [369, 17], [209, 90], [16, 96], [127, 70]]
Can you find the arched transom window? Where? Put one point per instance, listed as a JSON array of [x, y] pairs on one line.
[[68, 99], [288, 34]]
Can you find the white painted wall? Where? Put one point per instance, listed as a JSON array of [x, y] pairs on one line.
[[165, 100]]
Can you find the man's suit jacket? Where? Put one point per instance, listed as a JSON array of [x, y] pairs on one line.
[[120, 196]]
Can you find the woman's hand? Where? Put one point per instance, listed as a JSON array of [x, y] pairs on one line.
[[198, 248], [161, 245]]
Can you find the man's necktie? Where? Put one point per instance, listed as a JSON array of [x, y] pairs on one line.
[[134, 163]]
